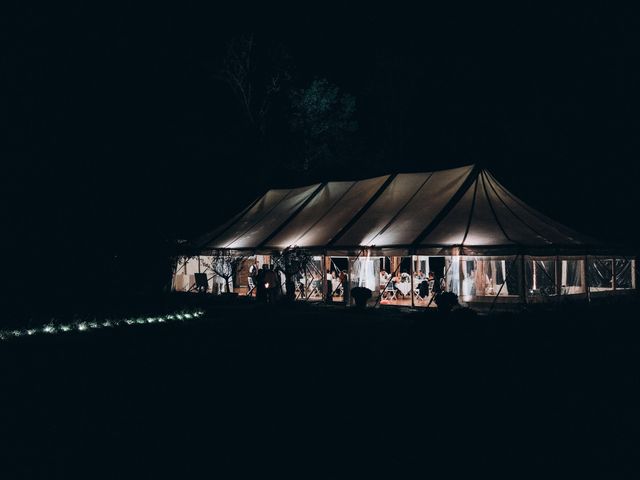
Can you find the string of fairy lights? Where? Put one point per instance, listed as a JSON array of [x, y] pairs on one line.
[[89, 325]]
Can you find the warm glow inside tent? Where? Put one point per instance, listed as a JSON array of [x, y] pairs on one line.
[[390, 233]]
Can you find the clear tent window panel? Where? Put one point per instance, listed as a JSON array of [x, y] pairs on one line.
[[189, 267], [572, 276], [217, 283], [600, 274], [186, 269], [308, 283], [181, 276], [624, 274], [365, 272], [540, 277], [431, 276], [453, 275], [395, 282], [337, 277], [488, 277]]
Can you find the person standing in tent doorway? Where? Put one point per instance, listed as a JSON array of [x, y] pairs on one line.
[[423, 290], [261, 291]]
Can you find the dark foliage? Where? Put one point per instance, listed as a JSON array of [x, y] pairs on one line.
[[361, 295], [323, 117], [225, 264], [291, 262], [446, 301]]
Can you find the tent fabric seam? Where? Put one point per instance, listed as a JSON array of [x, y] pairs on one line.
[[232, 221], [518, 216], [495, 214], [327, 212], [292, 216], [471, 210], [260, 219], [397, 214], [446, 209], [363, 210], [538, 215]]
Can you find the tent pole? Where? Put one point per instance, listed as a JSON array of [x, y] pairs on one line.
[[445, 276], [504, 282], [586, 278], [309, 286], [346, 289], [523, 279], [613, 274], [460, 276], [411, 269], [325, 290], [558, 275], [174, 272], [391, 277]]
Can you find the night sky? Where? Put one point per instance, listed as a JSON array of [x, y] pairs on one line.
[[117, 139]]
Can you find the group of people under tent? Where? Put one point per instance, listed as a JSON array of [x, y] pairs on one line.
[[424, 284], [264, 281], [267, 283]]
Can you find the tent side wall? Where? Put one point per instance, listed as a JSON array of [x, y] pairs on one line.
[[482, 282]]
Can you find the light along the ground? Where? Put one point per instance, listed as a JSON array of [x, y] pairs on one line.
[[87, 325]]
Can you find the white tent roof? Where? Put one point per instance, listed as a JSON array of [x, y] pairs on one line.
[[457, 210]]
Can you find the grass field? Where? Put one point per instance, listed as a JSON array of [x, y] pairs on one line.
[[327, 392]]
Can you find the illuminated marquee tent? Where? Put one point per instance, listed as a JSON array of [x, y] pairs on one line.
[[462, 212]]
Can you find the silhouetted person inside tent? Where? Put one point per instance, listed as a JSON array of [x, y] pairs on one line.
[[253, 270], [252, 279], [423, 289], [261, 291], [329, 283], [270, 284]]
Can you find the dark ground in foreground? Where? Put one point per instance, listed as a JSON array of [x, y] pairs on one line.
[[323, 392]]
